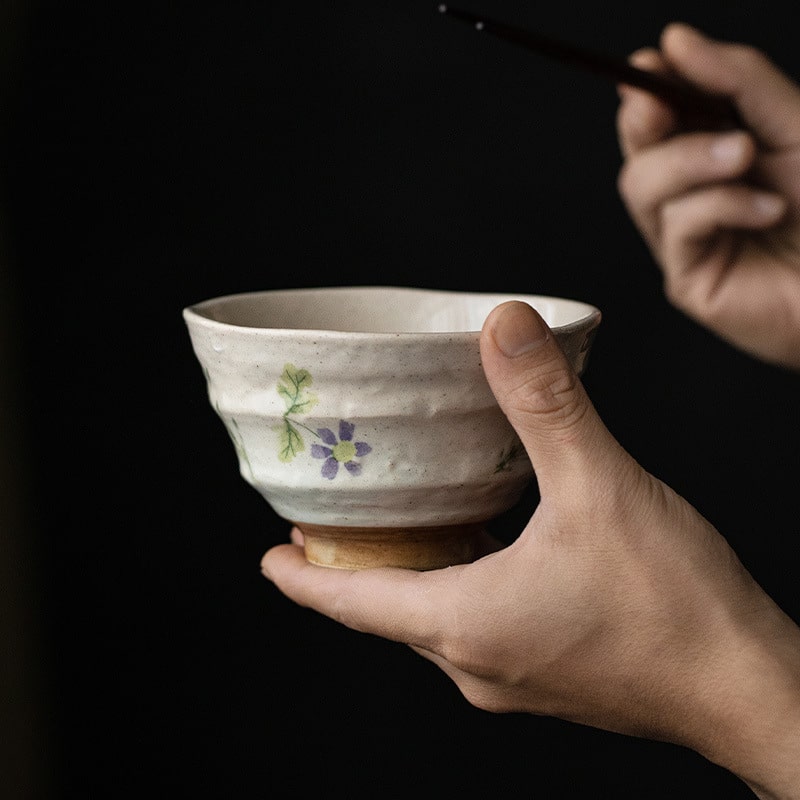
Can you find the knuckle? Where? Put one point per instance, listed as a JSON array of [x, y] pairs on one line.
[[552, 396]]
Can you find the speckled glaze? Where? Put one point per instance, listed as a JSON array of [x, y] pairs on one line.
[[362, 414]]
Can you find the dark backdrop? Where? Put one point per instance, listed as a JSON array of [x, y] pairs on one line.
[[161, 153]]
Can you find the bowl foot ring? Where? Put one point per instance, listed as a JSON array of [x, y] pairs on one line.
[[420, 548]]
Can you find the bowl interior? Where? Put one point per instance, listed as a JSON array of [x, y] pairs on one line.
[[378, 309]]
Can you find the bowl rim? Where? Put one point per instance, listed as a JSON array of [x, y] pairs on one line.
[[194, 313]]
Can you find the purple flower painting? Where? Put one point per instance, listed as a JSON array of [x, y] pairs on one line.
[[341, 450]]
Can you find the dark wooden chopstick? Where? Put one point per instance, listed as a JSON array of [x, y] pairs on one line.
[[697, 109]]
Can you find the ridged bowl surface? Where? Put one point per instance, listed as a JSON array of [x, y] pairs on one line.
[[364, 407]]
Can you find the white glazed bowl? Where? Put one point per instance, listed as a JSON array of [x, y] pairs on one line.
[[363, 416]]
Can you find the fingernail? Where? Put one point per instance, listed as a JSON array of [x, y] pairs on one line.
[[518, 329], [730, 148], [265, 572]]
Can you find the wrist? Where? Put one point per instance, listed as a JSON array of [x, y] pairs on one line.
[[754, 706]]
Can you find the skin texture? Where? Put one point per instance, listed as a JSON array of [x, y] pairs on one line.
[[619, 605]]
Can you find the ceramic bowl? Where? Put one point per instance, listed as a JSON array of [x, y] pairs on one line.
[[363, 416]]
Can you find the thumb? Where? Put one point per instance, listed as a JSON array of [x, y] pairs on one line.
[[544, 400]]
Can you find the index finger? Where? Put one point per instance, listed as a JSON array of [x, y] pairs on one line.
[[397, 604]]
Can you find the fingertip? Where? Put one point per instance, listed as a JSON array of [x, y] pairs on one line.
[[680, 33], [516, 328], [284, 553], [734, 150], [647, 58], [282, 558], [680, 39], [769, 206]]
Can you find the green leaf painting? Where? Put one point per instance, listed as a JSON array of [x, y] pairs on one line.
[[293, 387]]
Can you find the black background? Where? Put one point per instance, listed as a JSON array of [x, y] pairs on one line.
[[161, 153]]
